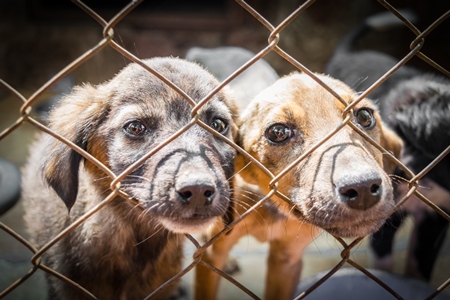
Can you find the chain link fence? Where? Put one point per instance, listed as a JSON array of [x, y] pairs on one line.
[[274, 34]]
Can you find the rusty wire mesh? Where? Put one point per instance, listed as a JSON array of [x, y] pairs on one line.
[[274, 33]]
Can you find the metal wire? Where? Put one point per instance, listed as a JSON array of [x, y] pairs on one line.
[[275, 34]]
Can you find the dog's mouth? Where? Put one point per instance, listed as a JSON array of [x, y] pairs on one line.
[[195, 223], [193, 216], [339, 220], [349, 226], [357, 229]]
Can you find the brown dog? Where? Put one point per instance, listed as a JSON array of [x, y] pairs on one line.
[[123, 251], [341, 187]]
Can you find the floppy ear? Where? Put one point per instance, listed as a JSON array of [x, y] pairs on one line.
[[74, 118], [393, 143]]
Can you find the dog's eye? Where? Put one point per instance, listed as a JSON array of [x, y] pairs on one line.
[[219, 125], [135, 128], [365, 118], [278, 133]]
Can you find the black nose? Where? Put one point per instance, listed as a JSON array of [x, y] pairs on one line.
[[196, 193], [361, 192]]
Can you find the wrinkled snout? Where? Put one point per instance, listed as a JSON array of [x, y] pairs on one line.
[[190, 190], [350, 194]]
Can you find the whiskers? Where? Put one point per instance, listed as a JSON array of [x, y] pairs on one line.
[[128, 181], [158, 229], [246, 198], [398, 178], [129, 178], [141, 178], [239, 171]]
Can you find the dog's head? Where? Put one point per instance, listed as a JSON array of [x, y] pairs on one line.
[[343, 186], [184, 185]]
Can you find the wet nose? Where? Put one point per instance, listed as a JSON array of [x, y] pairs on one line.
[[361, 192], [197, 193]]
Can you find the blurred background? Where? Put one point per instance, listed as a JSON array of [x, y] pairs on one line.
[[38, 38]]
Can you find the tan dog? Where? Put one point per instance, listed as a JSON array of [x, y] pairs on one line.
[[341, 187], [124, 251]]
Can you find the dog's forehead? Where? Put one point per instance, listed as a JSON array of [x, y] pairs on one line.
[[308, 90], [303, 93], [136, 85], [134, 80], [297, 95]]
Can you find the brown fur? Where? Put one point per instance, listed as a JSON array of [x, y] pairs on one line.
[[124, 251], [317, 185]]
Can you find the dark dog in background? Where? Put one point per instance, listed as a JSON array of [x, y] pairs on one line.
[[124, 251], [416, 105]]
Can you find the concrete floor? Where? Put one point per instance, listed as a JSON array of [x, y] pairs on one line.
[[321, 255]]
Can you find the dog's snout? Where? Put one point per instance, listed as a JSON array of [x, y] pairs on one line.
[[196, 193], [360, 193]]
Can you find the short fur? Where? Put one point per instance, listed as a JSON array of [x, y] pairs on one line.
[[416, 105], [320, 186], [124, 251]]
